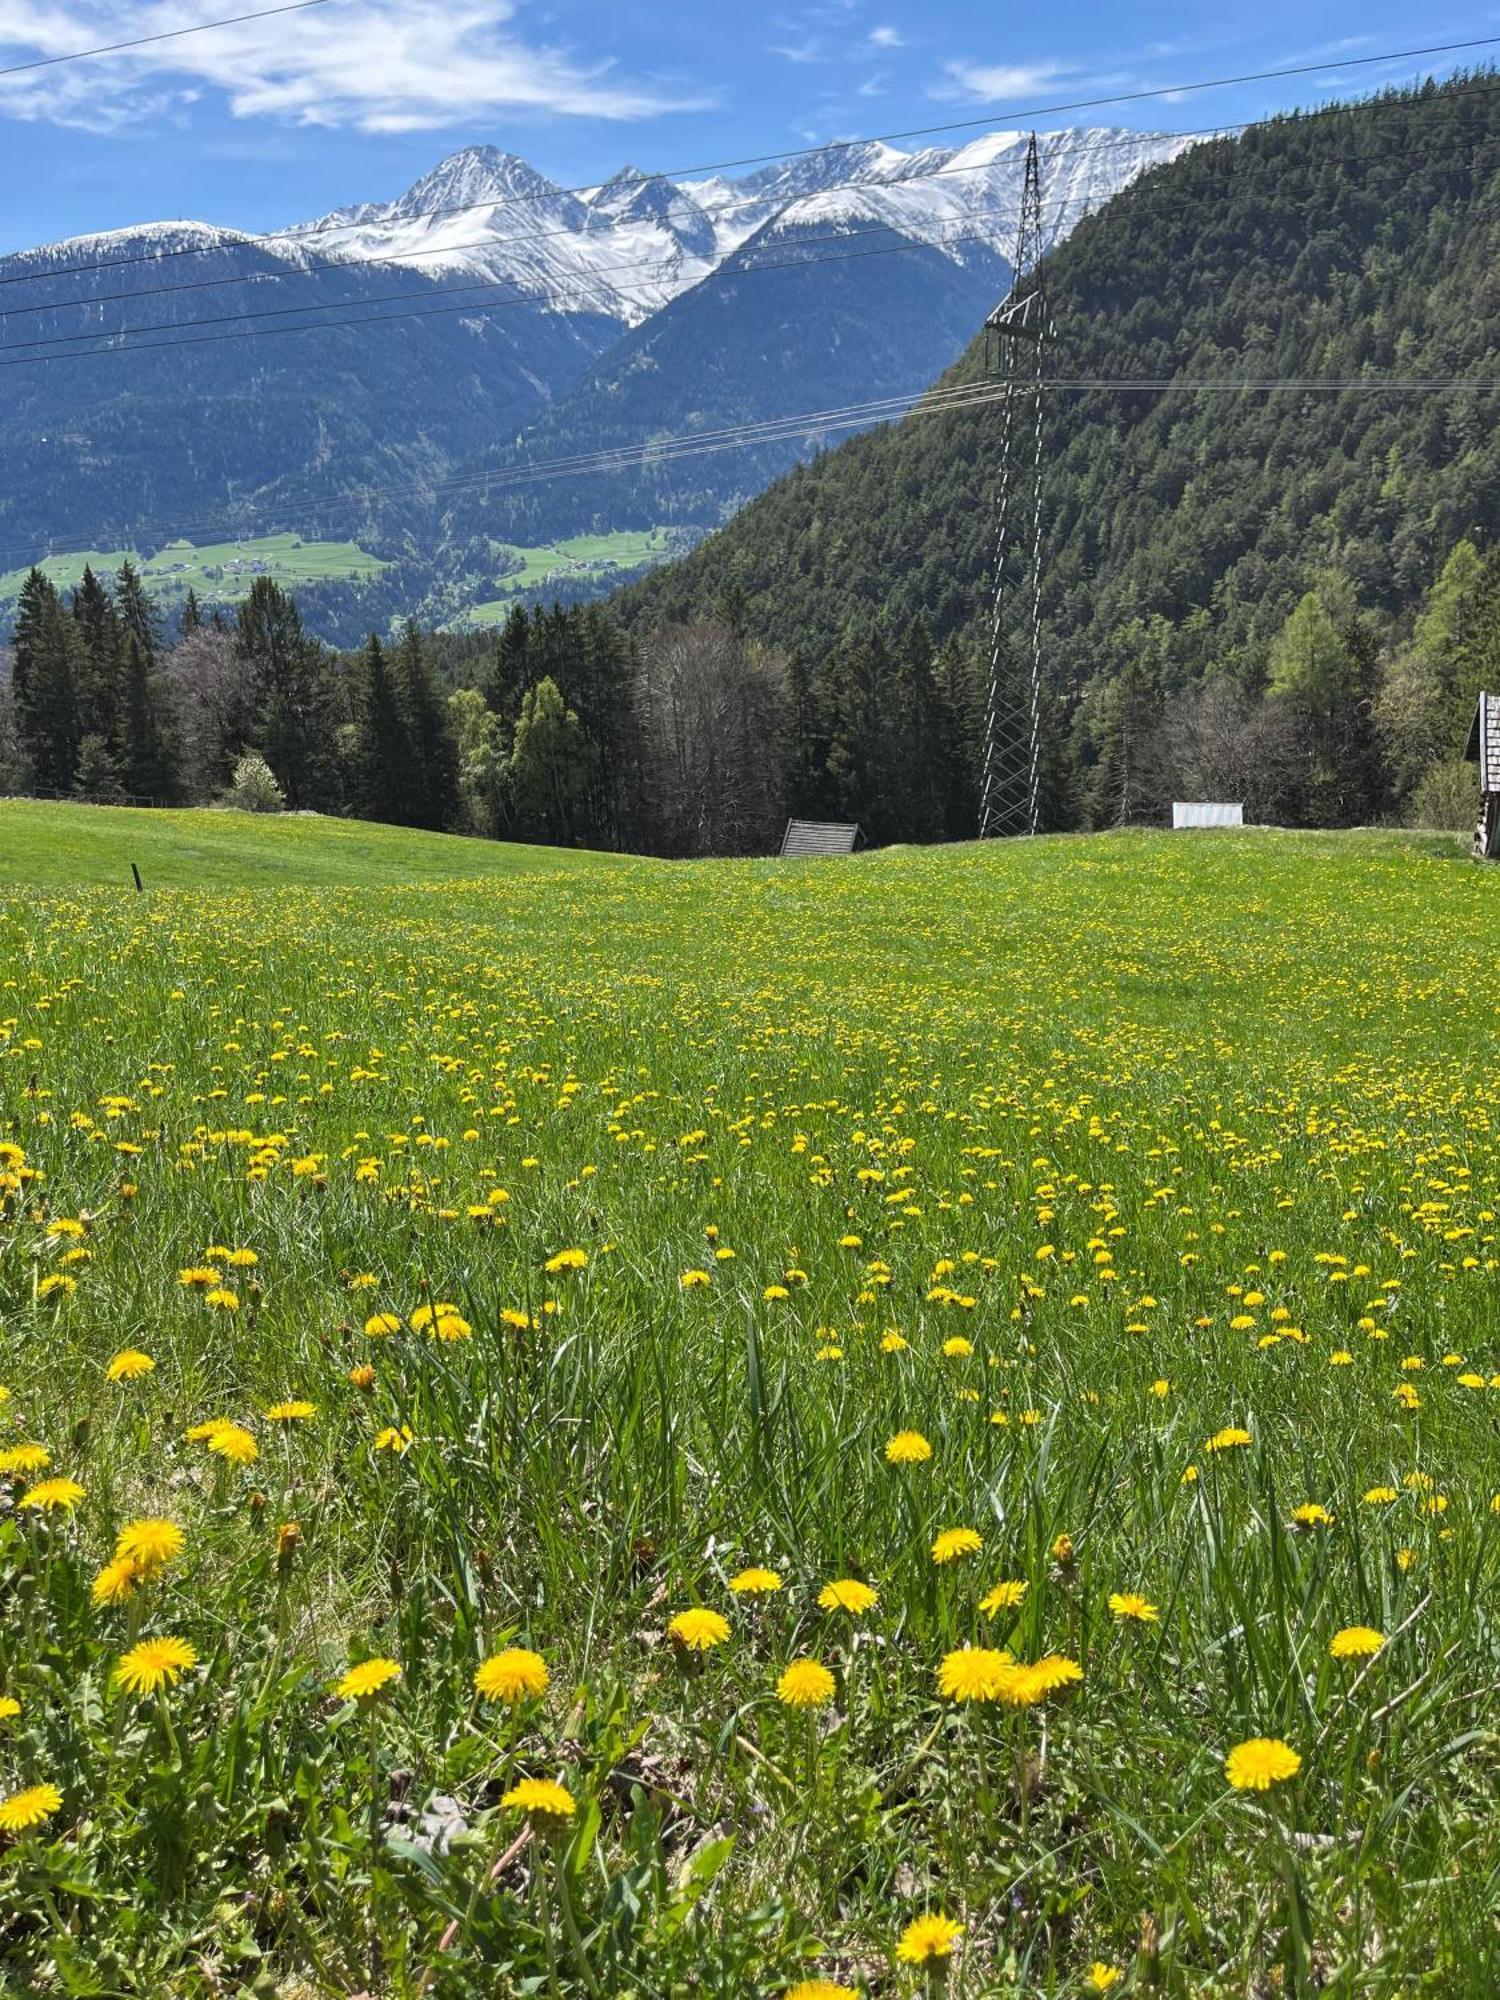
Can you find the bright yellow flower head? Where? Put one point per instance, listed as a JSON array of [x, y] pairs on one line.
[[10, 1708], [1356, 1642], [154, 1664], [754, 1582], [368, 1680], [805, 1684], [848, 1594], [955, 1542], [975, 1673], [928, 1938], [819, 1989], [908, 1448], [24, 1810], [52, 1496], [1006, 1596], [1128, 1604], [542, 1800], [297, 1410], [128, 1365], [116, 1581], [698, 1629], [566, 1260], [1103, 1978], [1261, 1762], [513, 1676], [234, 1442], [149, 1544], [24, 1459], [1231, 1438]]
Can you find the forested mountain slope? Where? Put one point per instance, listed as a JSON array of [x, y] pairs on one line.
[[1360, 244]]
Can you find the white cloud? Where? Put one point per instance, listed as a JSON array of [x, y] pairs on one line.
[[376, 65], [990, 83], [886, 38], [797, 52]]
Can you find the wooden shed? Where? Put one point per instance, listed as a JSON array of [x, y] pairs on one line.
[[1483, 749], [819, 836]]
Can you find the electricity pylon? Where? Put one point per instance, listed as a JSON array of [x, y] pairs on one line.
[[1017, 333]]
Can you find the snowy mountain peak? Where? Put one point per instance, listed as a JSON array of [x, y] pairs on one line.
[[474, 176]]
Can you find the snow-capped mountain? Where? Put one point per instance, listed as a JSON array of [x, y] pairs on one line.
[[629, 246]]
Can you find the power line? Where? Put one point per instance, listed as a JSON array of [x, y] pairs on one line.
[[167, 35], [549, 295], [955, 398], [992, 118]]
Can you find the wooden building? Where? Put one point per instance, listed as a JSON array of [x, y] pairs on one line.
[[1483, 749], [818, 836]]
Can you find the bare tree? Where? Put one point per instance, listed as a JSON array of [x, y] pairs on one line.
[[713, 715], [210, 698], [1221, 743]]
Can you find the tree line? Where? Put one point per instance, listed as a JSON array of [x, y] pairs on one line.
[[700, 738]]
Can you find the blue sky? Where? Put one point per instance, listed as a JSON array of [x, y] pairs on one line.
[[274, 121]]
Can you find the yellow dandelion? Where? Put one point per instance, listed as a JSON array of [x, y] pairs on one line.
[[754, 1582], [955, 1542], [975, 1673], [698, 1630], [1231, 1438], [233, 1442], [380, 1326], [129, 1365], [805, 1683], [293, 1412], [1128, 1605], [24, 1459], [928, 1938], [1356, 1642], [566, 1260], [908, 1448], [10, 1708], [542, 1800], [1006, 1596], [154, 1664], [368, 1680], [24, 1810], [1261, 1762], [847, 1593], [149, 1544], [512, 1676], [116, 1581], [50, 1496]]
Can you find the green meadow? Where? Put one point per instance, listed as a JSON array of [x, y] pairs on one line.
[[915, 1424]]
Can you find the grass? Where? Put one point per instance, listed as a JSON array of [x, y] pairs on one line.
[[624, 549], [522, 1259], [68, 846], [211, 570]]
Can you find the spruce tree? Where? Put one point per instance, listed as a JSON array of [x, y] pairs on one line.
[[99, 684], [191, 620], [380, 751], [137, 612], [50, 662], [150, 765], [547, 775], [291, 696], [430, 795]]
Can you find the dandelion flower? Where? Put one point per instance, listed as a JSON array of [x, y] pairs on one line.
[[928, 1938], [1128, 1605], [1380, 1496], [1311, 1514], [24, 1810], [129, 1365], [820, 1989], [698, 1629], [149, 1545], [10, 1708], [975, 1673], [1259, 1763], [116, 1581], [542, 1800], [295, 1411], [1007, 1596], [24, 1459], [908, 1448], [692, 1281], [380, 1326], [234, 1442], [154, 1664], [848, 1594], [805, 1684], [514, 1676], [1356, 1642], [393, 1439], [1231, 1438], [566, 1260], [1102, 1978], [955, 1542], [754, 1582], [53, 1496], [370, 1678], [1046, 1676]]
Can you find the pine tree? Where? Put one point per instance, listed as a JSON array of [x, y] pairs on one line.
[[291, 696], [510, 675], [99, 684], [430, 795], [148, 756], [192, 615], [137, 612], [379, 776], [50, 661]]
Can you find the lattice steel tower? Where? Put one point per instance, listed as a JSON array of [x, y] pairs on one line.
[[1017, 334]]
